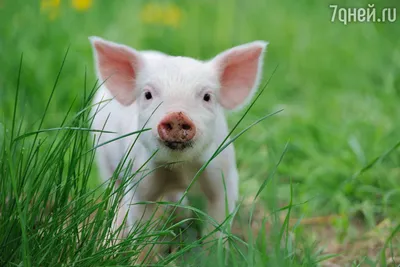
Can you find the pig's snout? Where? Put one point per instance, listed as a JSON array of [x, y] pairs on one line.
[[176, 128]]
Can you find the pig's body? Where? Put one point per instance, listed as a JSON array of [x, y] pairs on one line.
[[182, 101], [168, 181]]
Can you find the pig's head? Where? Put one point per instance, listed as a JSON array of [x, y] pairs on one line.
[[179, 98]]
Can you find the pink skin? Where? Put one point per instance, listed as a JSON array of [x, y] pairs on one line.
[[176, 127]]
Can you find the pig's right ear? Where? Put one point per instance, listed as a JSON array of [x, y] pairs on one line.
[[239, 71], [117, 67]]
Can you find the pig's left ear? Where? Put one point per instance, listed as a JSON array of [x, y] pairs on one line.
[[239, 71]]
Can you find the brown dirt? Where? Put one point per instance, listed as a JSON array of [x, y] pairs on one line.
[[354, 247]]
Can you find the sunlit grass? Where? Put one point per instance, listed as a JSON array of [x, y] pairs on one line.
[[338, 86]]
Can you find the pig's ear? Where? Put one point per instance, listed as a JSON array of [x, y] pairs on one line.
[[117, 66], [239, 71]]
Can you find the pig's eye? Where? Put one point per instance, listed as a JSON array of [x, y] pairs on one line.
[[207, 97], [148, 95]]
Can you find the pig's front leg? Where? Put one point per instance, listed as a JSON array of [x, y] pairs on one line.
[[146, 190], [221, 199], [145, 218]]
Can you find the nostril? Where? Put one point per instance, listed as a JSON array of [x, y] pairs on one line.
[[168, 126], [176, 127], [186, 126]]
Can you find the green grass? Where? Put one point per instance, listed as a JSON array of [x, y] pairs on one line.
[[339, 86]]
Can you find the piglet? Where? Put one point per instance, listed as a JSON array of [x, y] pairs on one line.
[[182, 100]]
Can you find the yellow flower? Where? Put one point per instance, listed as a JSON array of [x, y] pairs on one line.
[[82, 5], [172, 16], [49, 4], [167, 14], [51, 8], [151, 13]]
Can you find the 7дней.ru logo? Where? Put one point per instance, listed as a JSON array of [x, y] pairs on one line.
[[359, 14]]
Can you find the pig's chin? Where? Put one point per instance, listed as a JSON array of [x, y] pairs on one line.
[[177, 151], [178, 146]]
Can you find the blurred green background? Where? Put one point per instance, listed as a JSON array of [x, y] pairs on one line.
[[339, 85]]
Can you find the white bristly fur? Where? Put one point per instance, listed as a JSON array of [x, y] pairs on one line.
[[179, 83]]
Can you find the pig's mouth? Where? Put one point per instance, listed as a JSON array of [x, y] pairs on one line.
[[178, 145]]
